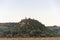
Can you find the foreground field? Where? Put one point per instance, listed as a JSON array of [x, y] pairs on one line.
[[30, 38]]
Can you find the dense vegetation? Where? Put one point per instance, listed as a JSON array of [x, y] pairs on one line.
[[28, 28]]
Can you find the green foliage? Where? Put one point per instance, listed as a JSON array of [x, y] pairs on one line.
[[28, 28]]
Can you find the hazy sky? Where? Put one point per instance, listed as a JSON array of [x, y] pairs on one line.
[[46, 11]]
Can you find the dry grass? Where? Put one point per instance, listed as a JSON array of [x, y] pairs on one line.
[[30, 38]]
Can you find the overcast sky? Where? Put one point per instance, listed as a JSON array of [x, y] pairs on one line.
[[46, 11]]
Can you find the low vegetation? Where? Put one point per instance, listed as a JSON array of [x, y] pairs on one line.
[[28, 28]]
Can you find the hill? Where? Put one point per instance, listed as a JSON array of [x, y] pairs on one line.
[[28, 28], [25, 28], [55, 29]]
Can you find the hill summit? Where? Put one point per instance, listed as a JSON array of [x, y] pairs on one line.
[[32, 27]]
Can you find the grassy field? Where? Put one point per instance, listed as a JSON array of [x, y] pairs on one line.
[[30, 38]]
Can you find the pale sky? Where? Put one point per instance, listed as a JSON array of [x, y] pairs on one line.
[[45, 11]]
